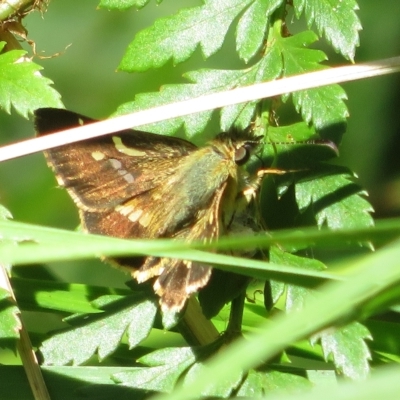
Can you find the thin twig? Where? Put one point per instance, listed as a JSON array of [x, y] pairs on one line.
[[25, 350]]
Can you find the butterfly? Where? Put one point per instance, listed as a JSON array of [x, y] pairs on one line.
[[135, 184]]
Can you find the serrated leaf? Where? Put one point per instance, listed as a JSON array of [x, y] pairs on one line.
[[284, 258], [4, 213], [193, 123], [297, 56], [123, 4], [251, 28], [336, 19], [10, 324], [168, 356], [296, 296], [88, 383], [170, 319], [177, 37], [299, 131], [336, 201], [322, 106], [207, 81], [346, 345], [222, 389], [22, 85], [267, 69], [165, 368], [348, 350], [101, 334], [257, 383]]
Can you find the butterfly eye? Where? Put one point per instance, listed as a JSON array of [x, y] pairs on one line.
[[242, 154]]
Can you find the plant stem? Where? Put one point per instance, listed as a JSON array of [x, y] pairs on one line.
[[195, 327], [13, 7], [234, 328], [26, 352]]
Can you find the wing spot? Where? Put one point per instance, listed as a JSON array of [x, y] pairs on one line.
[[135, 215], [98, 155], [130, 151], [145, 220], [127, 176], [116, 164], [124, 210]]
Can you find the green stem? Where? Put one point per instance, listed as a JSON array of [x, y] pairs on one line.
[[195, 327], [234, 328], [14, 7]]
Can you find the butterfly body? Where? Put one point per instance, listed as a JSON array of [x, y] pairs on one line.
[[135, 184]]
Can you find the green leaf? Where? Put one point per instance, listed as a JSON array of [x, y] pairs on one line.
[[165, 368], [4, 213], [37, 295], [322, 378], [102, 333], [64, 383], [299, 131], [322, 106], [282, 257], [170, 319], [22, 85], [346, 345], [336, 302], [252, 26], [94, 383], [386, 339], [335, 19], [207, 81], [193, 123], [267, 69], [347, 348], [296, 296], [10, 324], [222, 388], [123, 4], [336, 201], [178, 36], [257, 383]]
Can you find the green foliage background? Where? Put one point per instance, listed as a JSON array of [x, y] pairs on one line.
[[84, 74], [99, 38]]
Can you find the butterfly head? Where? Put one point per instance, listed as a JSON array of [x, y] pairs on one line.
[[241, 144]]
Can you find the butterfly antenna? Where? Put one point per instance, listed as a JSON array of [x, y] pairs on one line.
[[266, 171], [321, 142]]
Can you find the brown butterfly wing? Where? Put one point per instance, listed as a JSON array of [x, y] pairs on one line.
[[104, 172], [178, 279], [182, 207], [137, 184]]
